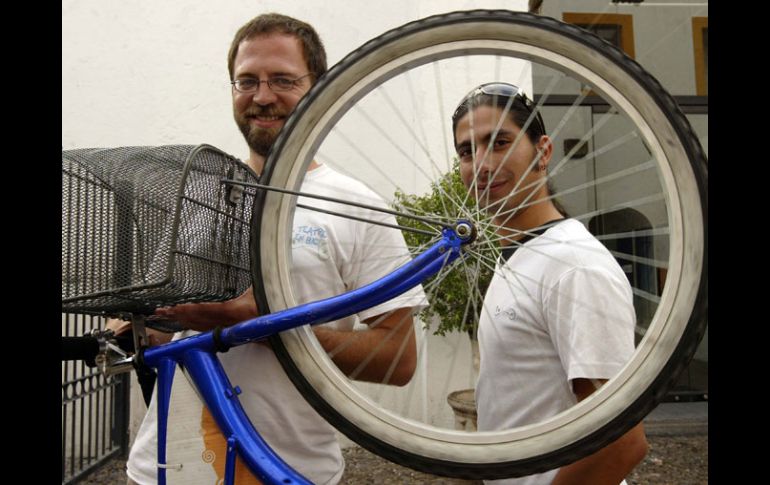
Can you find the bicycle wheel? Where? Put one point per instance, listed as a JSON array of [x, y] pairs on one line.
[[624, 154]]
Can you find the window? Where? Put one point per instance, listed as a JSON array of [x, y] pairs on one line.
[[617, 29], [700, 42]]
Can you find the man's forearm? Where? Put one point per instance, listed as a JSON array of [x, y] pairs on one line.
[[385, 353], [207, 316], [608, 466]]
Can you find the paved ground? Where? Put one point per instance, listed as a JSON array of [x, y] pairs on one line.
[[678, 436]]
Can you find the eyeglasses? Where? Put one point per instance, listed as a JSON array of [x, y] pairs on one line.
[[503, 90], [277, 84]]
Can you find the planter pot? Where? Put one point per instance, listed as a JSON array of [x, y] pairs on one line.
[[463, 404]]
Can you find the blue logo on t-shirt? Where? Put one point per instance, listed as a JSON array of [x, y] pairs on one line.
[[312, 237]]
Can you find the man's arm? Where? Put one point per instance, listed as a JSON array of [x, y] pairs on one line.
[[154, 337], [390, 338], [209, 315], [611, 464], [386, 353]]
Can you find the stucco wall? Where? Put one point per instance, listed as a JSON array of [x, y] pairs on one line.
[[151, 73]]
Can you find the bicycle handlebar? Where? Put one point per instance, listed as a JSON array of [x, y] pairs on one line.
[[80, 348], [86, 348]]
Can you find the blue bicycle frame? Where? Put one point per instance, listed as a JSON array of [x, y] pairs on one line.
[[196, 354]]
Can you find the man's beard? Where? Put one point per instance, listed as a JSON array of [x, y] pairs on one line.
[[259, 139]]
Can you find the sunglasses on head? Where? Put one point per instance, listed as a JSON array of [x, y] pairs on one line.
[[502, 90]]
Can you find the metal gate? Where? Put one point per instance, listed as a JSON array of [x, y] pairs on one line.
[[95, 410]]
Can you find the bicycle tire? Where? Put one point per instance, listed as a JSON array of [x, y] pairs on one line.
[[679, 321]]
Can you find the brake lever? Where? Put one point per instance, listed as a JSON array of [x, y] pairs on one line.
[[111, 359]]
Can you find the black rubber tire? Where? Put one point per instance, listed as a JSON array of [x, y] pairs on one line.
[[691, 299]]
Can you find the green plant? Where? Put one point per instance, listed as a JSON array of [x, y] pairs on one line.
[[453, 300]]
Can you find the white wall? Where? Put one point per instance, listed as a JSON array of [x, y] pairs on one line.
[[151, 73]]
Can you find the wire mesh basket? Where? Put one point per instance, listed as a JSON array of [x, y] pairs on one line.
[[144, 227]]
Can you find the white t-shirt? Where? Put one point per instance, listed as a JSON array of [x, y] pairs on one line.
[[559, 309], [330, 255]]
